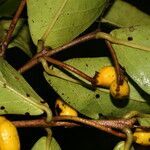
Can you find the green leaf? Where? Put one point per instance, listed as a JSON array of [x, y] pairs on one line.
[[123, 14], [135, 61], [41, 144], [22, 41], [16, 96], [89, 101], [8, 7], [120, 146], [58, 22], [21, 36], [144, 121]]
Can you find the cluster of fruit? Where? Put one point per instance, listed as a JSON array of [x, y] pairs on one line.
[[107, 78]]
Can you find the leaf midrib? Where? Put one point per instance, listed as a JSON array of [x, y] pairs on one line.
[[51, 24], [19, 94]]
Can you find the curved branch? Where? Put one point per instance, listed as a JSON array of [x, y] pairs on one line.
[[46, 52], [42, 123], [12, 26], [70, 121]]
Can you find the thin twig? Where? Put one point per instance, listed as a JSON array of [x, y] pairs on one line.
[[116, 64], [47, 52], [85, 38], [93, 35], [134, 114], [70, 68], [114, 40], [129, 138], [12, 26], [48, 138]]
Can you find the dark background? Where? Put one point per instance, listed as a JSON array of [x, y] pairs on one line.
[[69, 138]]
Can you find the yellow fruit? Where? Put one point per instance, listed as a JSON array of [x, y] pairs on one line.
[[105, 76], [123, 91], [9, 139], [64, 109], [142, 137]]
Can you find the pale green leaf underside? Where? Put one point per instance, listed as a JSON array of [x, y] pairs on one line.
[[123, 14], [41, 144], [92, 102], [16, 95], [75, 17], [121, 145], [22, 41], [144, 121], [135, 61], [21, 36]]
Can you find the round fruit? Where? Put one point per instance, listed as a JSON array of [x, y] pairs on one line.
[[9, 139], [64, 109], [142, 137], [120, 93], [105, 76]]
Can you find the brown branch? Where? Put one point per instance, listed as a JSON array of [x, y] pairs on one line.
[[59, 121], [115, 61], [79, 40], [47, 52], [102, 125], [115, 123], [118, 124], [42, 123], [70, 68], [12, 26]]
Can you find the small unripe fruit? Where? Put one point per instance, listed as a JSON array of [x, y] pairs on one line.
[[142, 137], [120, 92], [105, 76], [9, 139], [64, 109]]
